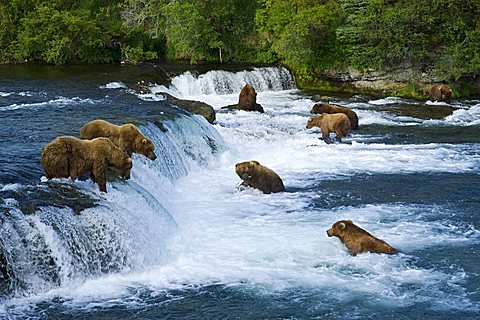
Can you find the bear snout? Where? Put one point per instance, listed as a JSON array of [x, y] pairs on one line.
[[152, 156], [330, 232], [245, 176], [126, 174]]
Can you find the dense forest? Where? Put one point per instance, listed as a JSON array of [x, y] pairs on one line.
[[309, 36]]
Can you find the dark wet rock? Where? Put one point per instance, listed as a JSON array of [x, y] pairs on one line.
[[192, 106], [257, 108], [424, 111], [31, 198]]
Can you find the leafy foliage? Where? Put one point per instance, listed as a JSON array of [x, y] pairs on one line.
[[310, 36], [66, 37], [301, 32]]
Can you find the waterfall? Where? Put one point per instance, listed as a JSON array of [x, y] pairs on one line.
[[57, 233], [220, 82], [62, 232]]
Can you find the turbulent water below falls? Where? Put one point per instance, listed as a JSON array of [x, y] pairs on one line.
[[180, 241]]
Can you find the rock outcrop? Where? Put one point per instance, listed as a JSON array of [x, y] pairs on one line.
[[192, 106]]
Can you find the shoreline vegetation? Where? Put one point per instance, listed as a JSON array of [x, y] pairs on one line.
[[365, 46]]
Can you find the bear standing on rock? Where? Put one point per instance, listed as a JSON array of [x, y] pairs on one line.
[[247, 100], [126, 137], [325, 107], [72, 157], [440, 92], [338, 123], [357, 240], [256, 176]]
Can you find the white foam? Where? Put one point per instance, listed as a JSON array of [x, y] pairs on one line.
[[114, 85], [59, 102], [221, 82], [465, 117], [385, 101], [437, 103], [12, 187], [9, 202], [219, 235]]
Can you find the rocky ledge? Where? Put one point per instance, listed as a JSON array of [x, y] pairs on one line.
[[403, 80]]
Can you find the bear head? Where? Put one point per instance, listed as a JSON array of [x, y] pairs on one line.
[[446, 93], [120, 160], [124, 170], [315, 121], [323, 107], [246, 170], [339, 228], [146, 147]]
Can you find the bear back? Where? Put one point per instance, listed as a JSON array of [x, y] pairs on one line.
[[127, 137], [68, 156], [358, 240], [259, 177], [329, 108], [440, 92]]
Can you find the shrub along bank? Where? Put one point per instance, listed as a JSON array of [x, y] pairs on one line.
[[375, 45]]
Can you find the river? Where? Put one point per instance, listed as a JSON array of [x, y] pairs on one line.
[[180, 241]]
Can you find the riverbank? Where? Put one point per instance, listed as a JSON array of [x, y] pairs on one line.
[[404, 81]]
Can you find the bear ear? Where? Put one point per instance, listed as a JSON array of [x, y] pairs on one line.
[[341, 225], [144, 141], [253, 163], [310, 120]]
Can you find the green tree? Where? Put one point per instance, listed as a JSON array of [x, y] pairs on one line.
[[188, 34], [439, 35], [302, 33], [233, 23], [59, 37]]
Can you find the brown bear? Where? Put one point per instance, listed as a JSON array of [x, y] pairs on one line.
[[357, 240], [247, 100], [337, 122], [259, 177], [440, 92], [68, 156], [326, 107], [127, 137]]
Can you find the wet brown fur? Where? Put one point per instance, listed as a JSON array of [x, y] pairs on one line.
[[357, 240], [67, 156], [440, 92], [259, 177], [338, 123], [127, 137], [325, 107], [247, 99]]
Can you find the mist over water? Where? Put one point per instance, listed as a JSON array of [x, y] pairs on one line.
[[180, 240]]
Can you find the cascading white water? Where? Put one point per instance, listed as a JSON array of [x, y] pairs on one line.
[[129, 229], [180, 222], [221, 82]]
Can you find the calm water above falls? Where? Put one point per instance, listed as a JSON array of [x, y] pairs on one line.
[[179, 241]]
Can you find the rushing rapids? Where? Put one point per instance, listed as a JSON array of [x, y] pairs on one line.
[[179, 236]]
